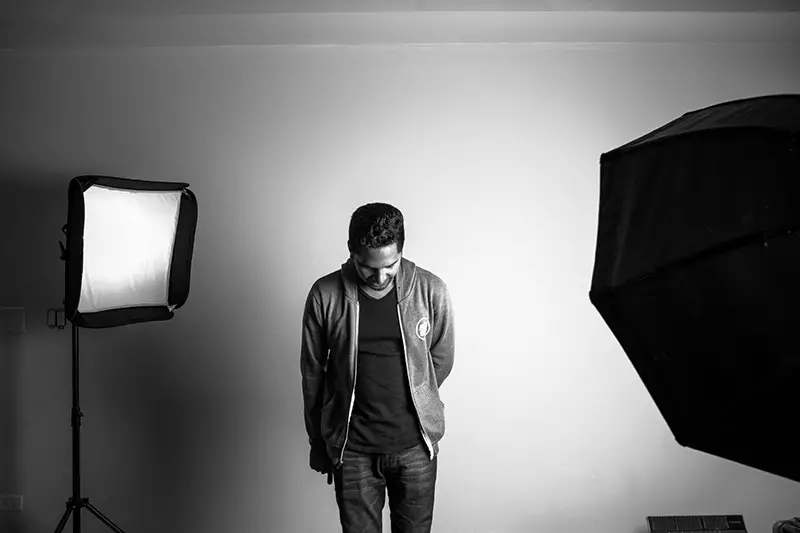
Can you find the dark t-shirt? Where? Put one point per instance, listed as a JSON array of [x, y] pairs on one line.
[[383, 419]]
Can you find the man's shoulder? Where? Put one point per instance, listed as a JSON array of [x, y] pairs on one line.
[[328, 283], [428, 278]]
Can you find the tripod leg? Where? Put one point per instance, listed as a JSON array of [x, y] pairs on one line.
[[64, 518], [102, 517]]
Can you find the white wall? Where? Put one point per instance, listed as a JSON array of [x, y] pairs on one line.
[[492, 153]]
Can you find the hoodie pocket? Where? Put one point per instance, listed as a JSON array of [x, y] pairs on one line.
[[331, 421], [431, 414]]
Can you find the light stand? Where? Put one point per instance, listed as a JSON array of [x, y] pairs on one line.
[[128, 260], [75, 503]]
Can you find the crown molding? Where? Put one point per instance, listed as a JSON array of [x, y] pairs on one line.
[[402, 28]]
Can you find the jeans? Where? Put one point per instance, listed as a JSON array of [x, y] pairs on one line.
[[363, 480]]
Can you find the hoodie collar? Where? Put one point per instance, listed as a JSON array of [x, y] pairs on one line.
[[404, 281]]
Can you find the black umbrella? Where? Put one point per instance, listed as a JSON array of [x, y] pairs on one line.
[[697, 274]]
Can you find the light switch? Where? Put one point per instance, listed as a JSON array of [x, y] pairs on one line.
[[12, 320]]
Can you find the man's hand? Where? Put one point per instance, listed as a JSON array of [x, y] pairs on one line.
[[319, 461]]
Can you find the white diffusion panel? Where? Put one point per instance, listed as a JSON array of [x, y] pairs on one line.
[[128, 239]]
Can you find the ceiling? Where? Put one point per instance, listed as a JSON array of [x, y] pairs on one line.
[[14, 8]]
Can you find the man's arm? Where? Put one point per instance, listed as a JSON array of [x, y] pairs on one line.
[[313, 363], [443, 342]]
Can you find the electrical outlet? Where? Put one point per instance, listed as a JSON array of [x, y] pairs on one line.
[[10, 502]]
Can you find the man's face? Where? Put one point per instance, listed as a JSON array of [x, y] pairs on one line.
[[377, 267]]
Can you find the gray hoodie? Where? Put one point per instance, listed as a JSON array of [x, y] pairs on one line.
[[330, 347]]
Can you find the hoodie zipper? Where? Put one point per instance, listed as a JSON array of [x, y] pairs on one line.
[[410, 385], [355, 375], [353, 394]]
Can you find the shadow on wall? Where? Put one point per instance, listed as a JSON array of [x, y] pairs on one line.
[[143, 418], [33, 207], [9, 448], [148, 419], [174, 410]]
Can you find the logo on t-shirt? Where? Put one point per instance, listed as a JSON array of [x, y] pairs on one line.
[[423, 327]]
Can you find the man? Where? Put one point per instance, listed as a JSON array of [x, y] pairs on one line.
[[377, 344]]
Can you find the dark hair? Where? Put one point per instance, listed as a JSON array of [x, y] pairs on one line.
[[376, 225]]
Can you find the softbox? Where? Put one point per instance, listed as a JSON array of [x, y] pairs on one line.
[[129, 250], [696, 275]]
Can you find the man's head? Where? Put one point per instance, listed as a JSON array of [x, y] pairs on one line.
[[376, 243]]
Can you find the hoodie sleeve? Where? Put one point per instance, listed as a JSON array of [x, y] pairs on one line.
[[313, 362], [443, 340]]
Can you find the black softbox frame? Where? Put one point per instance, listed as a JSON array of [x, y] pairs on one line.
[[697, 274], [180, 266]]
